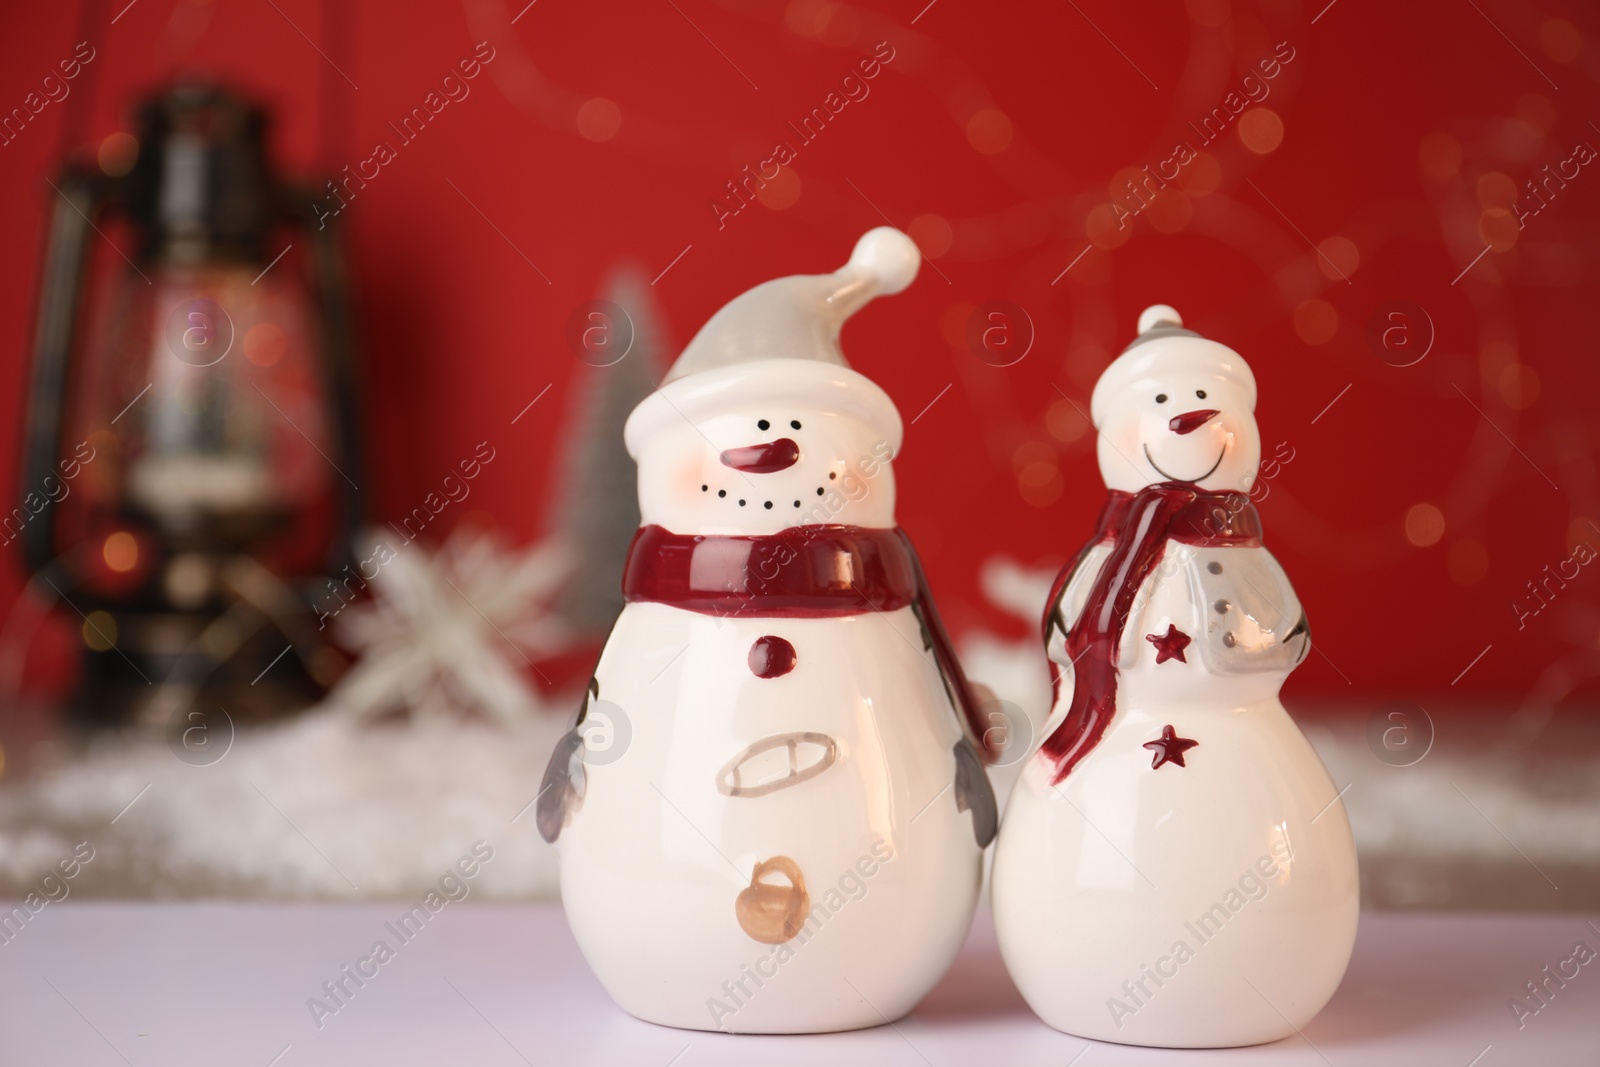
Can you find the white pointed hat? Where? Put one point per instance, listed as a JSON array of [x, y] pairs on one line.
[[1165, 345], [780, 340]]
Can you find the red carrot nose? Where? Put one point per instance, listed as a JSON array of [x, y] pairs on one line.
[[763, 459], [1190, 421]]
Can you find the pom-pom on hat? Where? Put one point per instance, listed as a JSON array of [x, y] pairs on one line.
[[1165, 346]]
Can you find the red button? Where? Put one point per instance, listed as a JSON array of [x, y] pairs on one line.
[[771, 657]]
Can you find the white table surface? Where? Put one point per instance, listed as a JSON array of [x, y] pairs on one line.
[[218, 984]]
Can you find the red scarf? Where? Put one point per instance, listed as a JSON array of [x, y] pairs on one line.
[[802, 572], [1139, 527]]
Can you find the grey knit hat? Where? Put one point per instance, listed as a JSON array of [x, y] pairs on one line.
[[799, 317]]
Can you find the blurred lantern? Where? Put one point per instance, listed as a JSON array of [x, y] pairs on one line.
[[191, 439]]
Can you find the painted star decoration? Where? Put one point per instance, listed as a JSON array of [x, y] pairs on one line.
[[1169, 645], [1169, 748]]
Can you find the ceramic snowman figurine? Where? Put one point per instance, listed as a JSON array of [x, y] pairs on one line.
[[790, 838], [1173, 868]]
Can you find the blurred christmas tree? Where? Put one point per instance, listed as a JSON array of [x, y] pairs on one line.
[[597, 503]]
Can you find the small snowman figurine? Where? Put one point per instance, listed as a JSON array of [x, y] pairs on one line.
[[772, 812], [1173, 868]]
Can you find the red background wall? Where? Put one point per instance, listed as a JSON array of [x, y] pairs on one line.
[[1407, 131]]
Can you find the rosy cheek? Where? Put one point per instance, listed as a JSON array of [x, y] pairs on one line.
[[1132, 438], [687, 473], [1239, 438]]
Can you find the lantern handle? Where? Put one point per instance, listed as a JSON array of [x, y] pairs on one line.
[[80, 196]]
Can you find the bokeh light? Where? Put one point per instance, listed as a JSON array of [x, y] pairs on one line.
[[1211, 13], [953, 323], [264, 344], [1439, 156], [121, 552], [599, 119], [1496, 190], [117, 154], [932, 233], [1170, 211], [1066, 421], [989, 131], [832, 23], [1498, 228], [1316, 322], [1104, 228], [1424, 525], [1518, 385], [1201, 175], [782, 191], [1040, 484], [1338, 258], [99, 631], [1560, 40], [1261, 130]]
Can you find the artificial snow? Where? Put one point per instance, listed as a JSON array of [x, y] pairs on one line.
[[321, 807]]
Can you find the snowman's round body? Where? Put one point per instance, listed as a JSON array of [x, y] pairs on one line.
[[670, 835], [770, 816], [1207, 904], [1187, 876]]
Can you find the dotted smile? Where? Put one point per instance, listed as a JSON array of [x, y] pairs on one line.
[[768, 458]]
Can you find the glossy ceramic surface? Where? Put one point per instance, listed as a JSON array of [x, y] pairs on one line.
[[1182, 874], [840, 771], [770, 815]]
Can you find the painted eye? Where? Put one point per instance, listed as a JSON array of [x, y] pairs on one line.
[[763, 425], [1161, 398], [794, 423], [1201, 393]]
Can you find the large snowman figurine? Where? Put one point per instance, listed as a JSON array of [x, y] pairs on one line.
[[1174, 868], [771, 814]]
